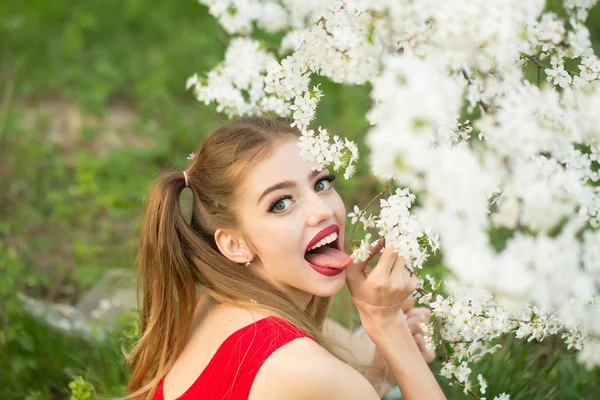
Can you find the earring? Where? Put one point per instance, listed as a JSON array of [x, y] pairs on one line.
[[248, 264]]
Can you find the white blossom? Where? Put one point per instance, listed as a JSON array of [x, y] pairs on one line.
[[362, 252], [482, 383], [526, 160]]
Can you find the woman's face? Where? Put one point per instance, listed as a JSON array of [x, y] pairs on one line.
[[284, 208]]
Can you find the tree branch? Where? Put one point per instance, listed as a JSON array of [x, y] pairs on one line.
[[359, 216], [535, 61], [484, 106]]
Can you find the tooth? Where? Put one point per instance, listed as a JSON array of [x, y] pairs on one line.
[[326, 240], [331, 238]]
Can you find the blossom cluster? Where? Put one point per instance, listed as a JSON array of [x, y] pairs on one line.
[[240, 16], [239, 91], [468, 320], [485, 110], [400, 229], [319, 149]]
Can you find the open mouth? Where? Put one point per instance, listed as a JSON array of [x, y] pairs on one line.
[[325, 250]]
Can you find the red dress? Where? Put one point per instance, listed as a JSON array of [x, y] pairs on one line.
[[231, 371]]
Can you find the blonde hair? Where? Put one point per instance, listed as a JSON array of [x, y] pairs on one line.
[[176, 257]]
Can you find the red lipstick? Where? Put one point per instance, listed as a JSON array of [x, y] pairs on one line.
[[324, 233]]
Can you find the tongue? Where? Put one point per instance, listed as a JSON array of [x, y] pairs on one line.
[[327, 257]]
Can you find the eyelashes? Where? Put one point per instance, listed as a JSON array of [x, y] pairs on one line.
[[272, 208], [330, 178], [274, 204]]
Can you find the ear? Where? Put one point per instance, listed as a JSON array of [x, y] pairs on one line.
[[233, 246]]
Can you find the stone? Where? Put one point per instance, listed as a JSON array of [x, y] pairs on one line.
[[113, 295], [60, 316]]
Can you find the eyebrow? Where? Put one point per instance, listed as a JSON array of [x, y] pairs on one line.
[[285, 185]]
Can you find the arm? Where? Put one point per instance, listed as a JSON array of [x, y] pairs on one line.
[[405, 360], [368, 359], [377, 295], [415, 316]]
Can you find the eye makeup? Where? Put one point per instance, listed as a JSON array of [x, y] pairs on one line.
[[272, 207]]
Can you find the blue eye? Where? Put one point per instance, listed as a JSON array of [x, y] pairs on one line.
[[282, 203], [322, 184], [325, 183], [279, 205]]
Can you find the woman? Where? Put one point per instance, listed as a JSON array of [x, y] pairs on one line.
[[264, 246]]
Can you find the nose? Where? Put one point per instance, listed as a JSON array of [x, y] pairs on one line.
[[318, 210]]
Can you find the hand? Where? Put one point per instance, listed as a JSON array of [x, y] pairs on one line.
[[415, 317], [389, 283]]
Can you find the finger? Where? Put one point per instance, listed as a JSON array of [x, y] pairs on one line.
[[425, 313], [376, 247], [384, 264], [420, 342], [413, 283], [397, 260], [408, 305], [429, 355], [419, 312], [415, 325], [355, 270], [399, 276]]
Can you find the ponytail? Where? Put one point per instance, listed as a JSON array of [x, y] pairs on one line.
[[175, 258], [167, 282]]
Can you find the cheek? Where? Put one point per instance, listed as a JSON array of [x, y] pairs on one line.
[[279, 241], [340, 211]]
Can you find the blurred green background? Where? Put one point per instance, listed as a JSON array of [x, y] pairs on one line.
[[92, 108]]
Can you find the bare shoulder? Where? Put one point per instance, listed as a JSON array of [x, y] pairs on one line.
[[302, 369]]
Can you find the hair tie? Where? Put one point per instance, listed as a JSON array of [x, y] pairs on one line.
[[390, 306], [186, 179]]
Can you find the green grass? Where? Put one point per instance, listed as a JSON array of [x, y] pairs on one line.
[[72, 197]]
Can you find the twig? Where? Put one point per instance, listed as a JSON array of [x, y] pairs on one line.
[[366, 97], [510, 319], [323, 22], [362, 213], [443, 343], [484, 106], [463, 341], [465, 386], [538, 64], [535, 61], [447, 358]]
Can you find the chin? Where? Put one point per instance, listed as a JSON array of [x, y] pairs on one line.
[[332, 286]]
